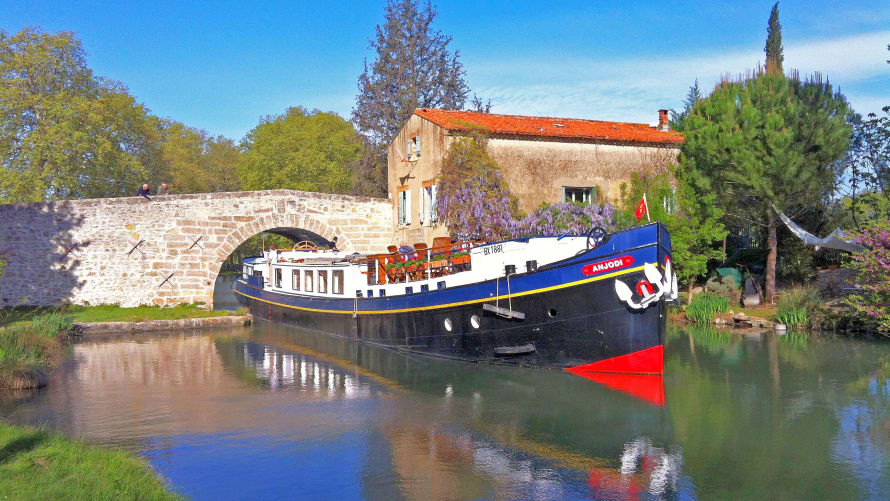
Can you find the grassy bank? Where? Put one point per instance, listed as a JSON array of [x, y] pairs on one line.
[[109, 313], [37, 464], [29, 350]]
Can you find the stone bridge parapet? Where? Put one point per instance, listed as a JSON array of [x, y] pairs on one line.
[[168, 250]]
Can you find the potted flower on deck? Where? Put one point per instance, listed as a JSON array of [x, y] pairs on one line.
[[460, 258]]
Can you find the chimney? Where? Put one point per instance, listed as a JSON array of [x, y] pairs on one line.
[[663, 120]]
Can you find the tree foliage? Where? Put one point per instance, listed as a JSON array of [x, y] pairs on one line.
[[868, 167], [767, 141], [773, 47], [693, 96], [873, 267], [413, 67], [64, 133], [686, 206], [473, 198], [300, 150]]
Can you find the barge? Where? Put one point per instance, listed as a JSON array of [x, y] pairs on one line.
[[585, 303]]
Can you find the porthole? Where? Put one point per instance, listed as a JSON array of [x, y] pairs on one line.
[[448, 325], [474, 321], [552, 313]]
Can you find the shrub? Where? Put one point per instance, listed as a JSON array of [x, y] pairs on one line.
[[725, 287], [799, 307], [872, 303], [704, 306]]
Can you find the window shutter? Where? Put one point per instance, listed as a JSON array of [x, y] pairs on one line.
[[422, 205], [434, 203], [407, 206]]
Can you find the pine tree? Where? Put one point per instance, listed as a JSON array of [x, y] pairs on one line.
[[773, 48], [765, 142]]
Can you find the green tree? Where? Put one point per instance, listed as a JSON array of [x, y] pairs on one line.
[[413, 68], [300, 150], [64, 133], [773, 47], [693, 96], [190, 161], [765, 142], [684, 202]]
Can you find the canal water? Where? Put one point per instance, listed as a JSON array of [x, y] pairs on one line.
[[271, 412]]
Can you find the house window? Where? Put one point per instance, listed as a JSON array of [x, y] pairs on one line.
[[307, 281], [405, 207], [323, 281], [583, 195], [296, 280], [428, 204], [337, 284], [278, 277], [415, 147]]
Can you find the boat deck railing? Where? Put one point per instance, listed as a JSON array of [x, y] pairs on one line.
[[420, 263]]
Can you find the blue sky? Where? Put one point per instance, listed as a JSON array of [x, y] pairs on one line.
[[222, 66]]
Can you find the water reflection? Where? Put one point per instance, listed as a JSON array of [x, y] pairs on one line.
[[272, 411]]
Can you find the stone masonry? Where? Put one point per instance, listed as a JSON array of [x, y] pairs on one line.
[[82, 251]]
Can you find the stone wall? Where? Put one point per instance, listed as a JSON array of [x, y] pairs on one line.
[[81, 251]]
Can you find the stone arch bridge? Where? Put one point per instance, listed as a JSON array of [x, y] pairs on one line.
[[166, 250]]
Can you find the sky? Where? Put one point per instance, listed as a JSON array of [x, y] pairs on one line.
[[222, 66]]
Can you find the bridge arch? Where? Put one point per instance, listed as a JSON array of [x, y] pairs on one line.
[[167, 250]]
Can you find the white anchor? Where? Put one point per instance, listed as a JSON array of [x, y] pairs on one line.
[[667, 285]]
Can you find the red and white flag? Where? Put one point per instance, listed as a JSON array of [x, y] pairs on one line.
[[642, 208]]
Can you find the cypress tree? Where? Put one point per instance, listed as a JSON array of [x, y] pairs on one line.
[[413, 68], [773, 48]]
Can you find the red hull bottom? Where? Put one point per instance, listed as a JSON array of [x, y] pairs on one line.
[[648, 361]]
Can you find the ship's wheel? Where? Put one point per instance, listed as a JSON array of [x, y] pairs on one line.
[[595, 237], [305, 245]]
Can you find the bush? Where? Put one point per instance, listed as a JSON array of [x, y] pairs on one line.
[[799, 307], [725, 287], [704, 306], [567, 217], [873, 266]]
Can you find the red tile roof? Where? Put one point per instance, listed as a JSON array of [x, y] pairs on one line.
[[574, 128]]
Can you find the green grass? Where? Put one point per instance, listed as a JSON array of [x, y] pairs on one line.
[[109, 313], [799, 306], [29, 350], [38, 464], [704, 306]]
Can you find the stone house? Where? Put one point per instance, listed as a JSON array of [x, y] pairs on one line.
[[542, 159]]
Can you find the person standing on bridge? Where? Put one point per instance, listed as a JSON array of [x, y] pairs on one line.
[[143, 192]]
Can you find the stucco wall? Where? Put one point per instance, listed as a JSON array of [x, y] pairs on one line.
[[405, 173], [537, 170], [100, 267]]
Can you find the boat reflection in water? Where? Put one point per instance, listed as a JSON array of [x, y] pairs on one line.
[[471, 430]]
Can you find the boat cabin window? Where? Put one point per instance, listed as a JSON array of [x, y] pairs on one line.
[[296, 280], [323, 281], [248, 270], [337, 285], [278, 277], [257, 273], [307, 281]]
